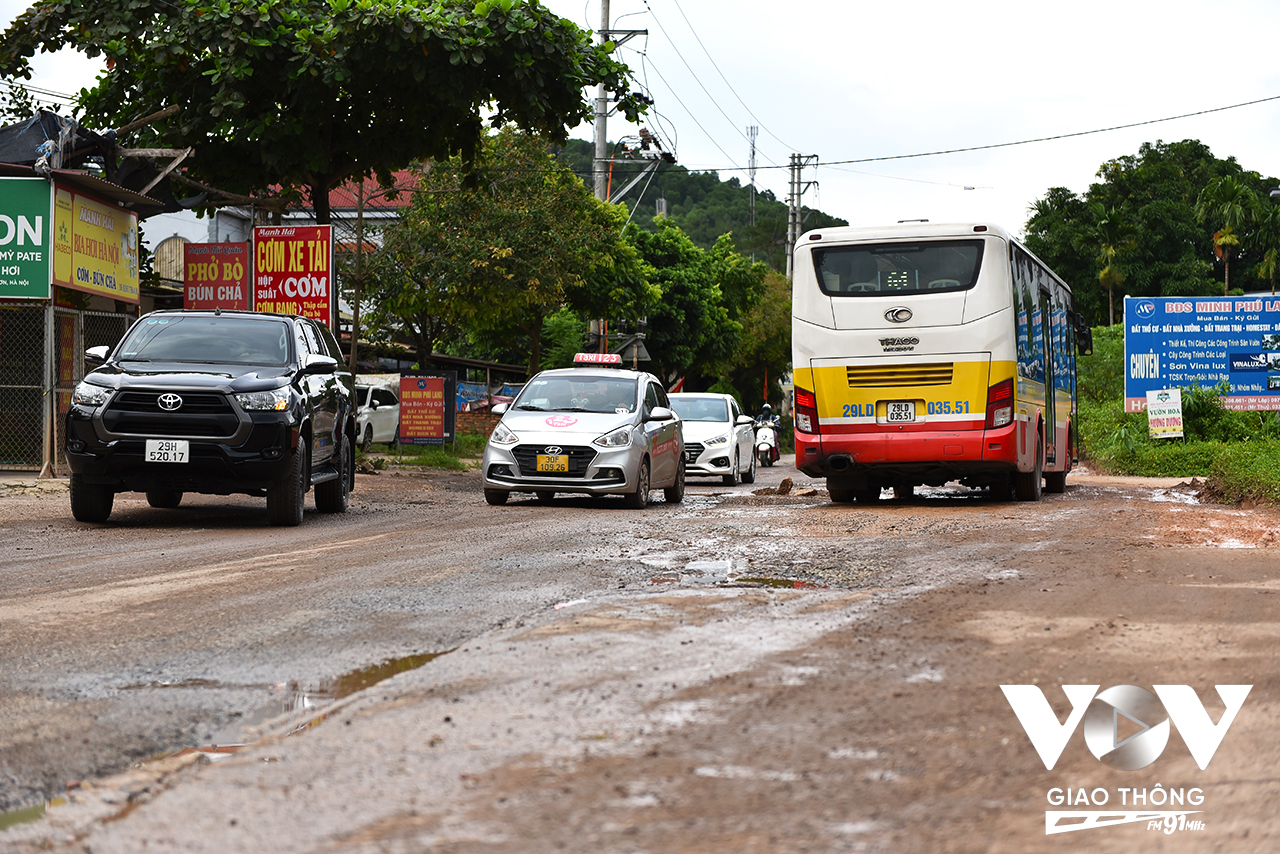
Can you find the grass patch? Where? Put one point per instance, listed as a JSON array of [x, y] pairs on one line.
[[455, 456], [1238, 453]]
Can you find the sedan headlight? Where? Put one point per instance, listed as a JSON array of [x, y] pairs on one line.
[[620, 438], [276, 400], [718, 440], [87, 394], [503, 436]]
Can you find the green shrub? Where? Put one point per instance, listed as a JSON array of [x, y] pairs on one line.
[[1247, 472]]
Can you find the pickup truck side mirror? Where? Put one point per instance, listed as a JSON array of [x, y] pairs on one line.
[[97, 355]]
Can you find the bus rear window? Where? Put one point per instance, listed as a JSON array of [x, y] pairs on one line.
[[898, 268]]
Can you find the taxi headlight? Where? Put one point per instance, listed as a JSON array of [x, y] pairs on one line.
[[718, 440], [276, 400], [502, 436], [620, 438], [87, 394]]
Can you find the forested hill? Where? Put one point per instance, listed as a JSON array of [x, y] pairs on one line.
[[704, 206]]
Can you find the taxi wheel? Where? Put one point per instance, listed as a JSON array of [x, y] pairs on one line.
[[367, 442], [749, 476], [734, 476], [496, 496], [675, 492], [545, 496], [639, 499]]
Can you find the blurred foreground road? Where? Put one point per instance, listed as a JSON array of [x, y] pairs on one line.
[[741, 672]]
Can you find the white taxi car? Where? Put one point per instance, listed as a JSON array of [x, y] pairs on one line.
[[594, 429], [719, 440]]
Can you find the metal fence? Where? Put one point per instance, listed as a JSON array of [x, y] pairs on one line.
[[75, 332], [22, 349]]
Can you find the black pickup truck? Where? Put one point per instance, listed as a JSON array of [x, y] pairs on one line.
[[214, 402]]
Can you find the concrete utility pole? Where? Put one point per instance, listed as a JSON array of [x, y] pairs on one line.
[[797, 190], [599, 166]]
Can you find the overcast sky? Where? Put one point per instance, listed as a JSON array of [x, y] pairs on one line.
[[849, 80]]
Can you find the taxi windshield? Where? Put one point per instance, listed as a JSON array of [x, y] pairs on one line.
[[579, 393]]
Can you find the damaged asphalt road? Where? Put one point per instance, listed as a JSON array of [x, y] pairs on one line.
[[739, 673]]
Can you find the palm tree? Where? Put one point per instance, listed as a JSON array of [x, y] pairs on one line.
[[1228, 201], [1266, 239], [1111, 235]]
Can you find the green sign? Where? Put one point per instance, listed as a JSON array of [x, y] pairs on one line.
[[24, 238]]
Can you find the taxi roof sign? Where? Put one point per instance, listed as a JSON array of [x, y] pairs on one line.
[[607, 359]]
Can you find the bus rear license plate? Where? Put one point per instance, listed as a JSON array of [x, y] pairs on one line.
[[901, 411], [553, 462], [168, 450]]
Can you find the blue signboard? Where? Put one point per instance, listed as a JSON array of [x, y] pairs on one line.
[[1178, 342]]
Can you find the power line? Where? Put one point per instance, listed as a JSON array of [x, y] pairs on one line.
[[722, 76]]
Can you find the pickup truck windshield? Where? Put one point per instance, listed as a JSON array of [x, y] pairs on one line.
[[208, 339]]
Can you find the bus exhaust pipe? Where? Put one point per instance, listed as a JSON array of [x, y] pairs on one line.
[[840, 462]]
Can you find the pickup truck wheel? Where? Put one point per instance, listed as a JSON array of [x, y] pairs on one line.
[[90, 502], [166, 499], [285, 499], [333, 496]]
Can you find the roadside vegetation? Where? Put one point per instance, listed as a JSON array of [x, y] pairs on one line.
[[1237, 453], [461, 455]]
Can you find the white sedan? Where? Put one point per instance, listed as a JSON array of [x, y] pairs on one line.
[[719, 439], [377, 415]]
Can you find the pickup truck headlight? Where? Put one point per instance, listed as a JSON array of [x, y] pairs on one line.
[[620, 438], [87, 394], [276, 400]]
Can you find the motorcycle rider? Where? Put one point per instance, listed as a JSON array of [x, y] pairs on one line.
[[767, 419]]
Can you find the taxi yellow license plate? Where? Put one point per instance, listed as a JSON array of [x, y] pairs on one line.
[[553, 462]]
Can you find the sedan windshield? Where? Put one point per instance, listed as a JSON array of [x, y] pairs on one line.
[[208, 340], [578, 393], [700, 409]]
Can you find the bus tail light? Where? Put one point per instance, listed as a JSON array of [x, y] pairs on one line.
[[1000, 404], [806, 411]]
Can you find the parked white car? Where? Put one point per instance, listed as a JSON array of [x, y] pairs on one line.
[[719, 440], [377, 415]]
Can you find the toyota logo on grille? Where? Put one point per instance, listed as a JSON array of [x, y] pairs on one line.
[[169, 402], [898, 315], [553, 449]]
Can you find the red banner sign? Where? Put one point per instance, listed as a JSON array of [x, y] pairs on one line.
[[293, 271], [422, 410], [216, 276]]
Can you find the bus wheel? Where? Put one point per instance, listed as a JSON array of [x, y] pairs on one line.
[[840, 494], [1028, 484], [867, 494], [1055, 481], [1002, 489]]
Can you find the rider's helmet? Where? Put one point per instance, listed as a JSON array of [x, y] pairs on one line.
[[766, 410]]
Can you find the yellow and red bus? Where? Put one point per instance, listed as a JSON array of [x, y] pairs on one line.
[[928, 353]]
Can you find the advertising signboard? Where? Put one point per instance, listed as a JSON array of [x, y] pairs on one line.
[[95, 246], [1177, 342], [216, 275], [293, 271], [428, 407], [24, 238], [1164, 413]]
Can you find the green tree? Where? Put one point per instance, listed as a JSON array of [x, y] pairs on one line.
[[1111, 234], [1266, 238], [493, 262], [1228, 201], [308, 93], [696, 328]]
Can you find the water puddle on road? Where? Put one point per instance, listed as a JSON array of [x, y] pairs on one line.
[[291, 697], [727, 572]]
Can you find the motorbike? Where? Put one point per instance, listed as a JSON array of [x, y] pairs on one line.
[[767, 441]]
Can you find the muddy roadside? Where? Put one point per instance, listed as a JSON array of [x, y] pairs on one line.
[[695, 717]]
